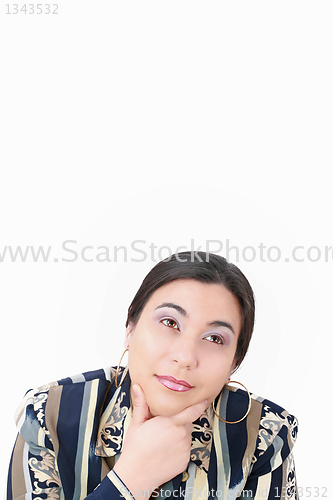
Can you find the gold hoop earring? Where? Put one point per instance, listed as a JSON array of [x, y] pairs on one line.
[[117, 371], [248, 409]]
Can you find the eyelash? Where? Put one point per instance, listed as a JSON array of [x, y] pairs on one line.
[[218, 337], [176, 325], [169, 319]]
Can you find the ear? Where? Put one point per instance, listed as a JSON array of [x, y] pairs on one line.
[[129, 331]]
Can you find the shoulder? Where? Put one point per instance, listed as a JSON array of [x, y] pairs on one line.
[[103, 375], [274, 420], [277, 433], [270, 429], [264, 413], [61, 396]]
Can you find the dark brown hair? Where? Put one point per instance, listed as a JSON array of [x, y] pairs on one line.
[[206, 268]]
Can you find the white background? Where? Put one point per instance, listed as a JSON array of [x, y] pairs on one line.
[[173, 123]]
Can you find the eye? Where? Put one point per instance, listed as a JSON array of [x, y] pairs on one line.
[[171, 323], [215, 339]]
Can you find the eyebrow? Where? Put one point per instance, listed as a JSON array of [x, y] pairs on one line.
[[174, 306], [182, 311]]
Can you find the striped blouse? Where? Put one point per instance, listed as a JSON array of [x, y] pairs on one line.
[[71, 434]]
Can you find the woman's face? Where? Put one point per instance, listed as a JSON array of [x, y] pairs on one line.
[[182, 349]]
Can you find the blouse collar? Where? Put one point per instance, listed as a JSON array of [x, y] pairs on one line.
[[117, 417]]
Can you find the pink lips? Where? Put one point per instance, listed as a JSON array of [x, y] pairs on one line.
[[174, 384]]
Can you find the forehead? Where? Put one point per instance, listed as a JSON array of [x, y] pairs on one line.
[[193, 288]]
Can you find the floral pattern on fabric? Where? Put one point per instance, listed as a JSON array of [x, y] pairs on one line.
[[291, 486], [45, 477], [270, 425], [110, 436], [40, 399], [202, 437], [293, 427], [44, 469]]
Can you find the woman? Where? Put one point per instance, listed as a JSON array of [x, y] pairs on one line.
[[169, 424]]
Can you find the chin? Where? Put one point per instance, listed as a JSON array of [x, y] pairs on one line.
[[167, 408], [164, 411]]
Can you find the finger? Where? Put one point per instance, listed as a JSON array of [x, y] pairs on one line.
[[190, 414], [140, 407]]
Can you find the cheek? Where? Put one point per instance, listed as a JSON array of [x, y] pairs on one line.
[[217, 370], [151, 340], [145, 349]]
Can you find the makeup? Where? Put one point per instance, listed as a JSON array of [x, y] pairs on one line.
[[173, 384]]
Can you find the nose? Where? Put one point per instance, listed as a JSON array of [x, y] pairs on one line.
[[185, 354]]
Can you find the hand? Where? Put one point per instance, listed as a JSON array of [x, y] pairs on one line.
[[155, 450]]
